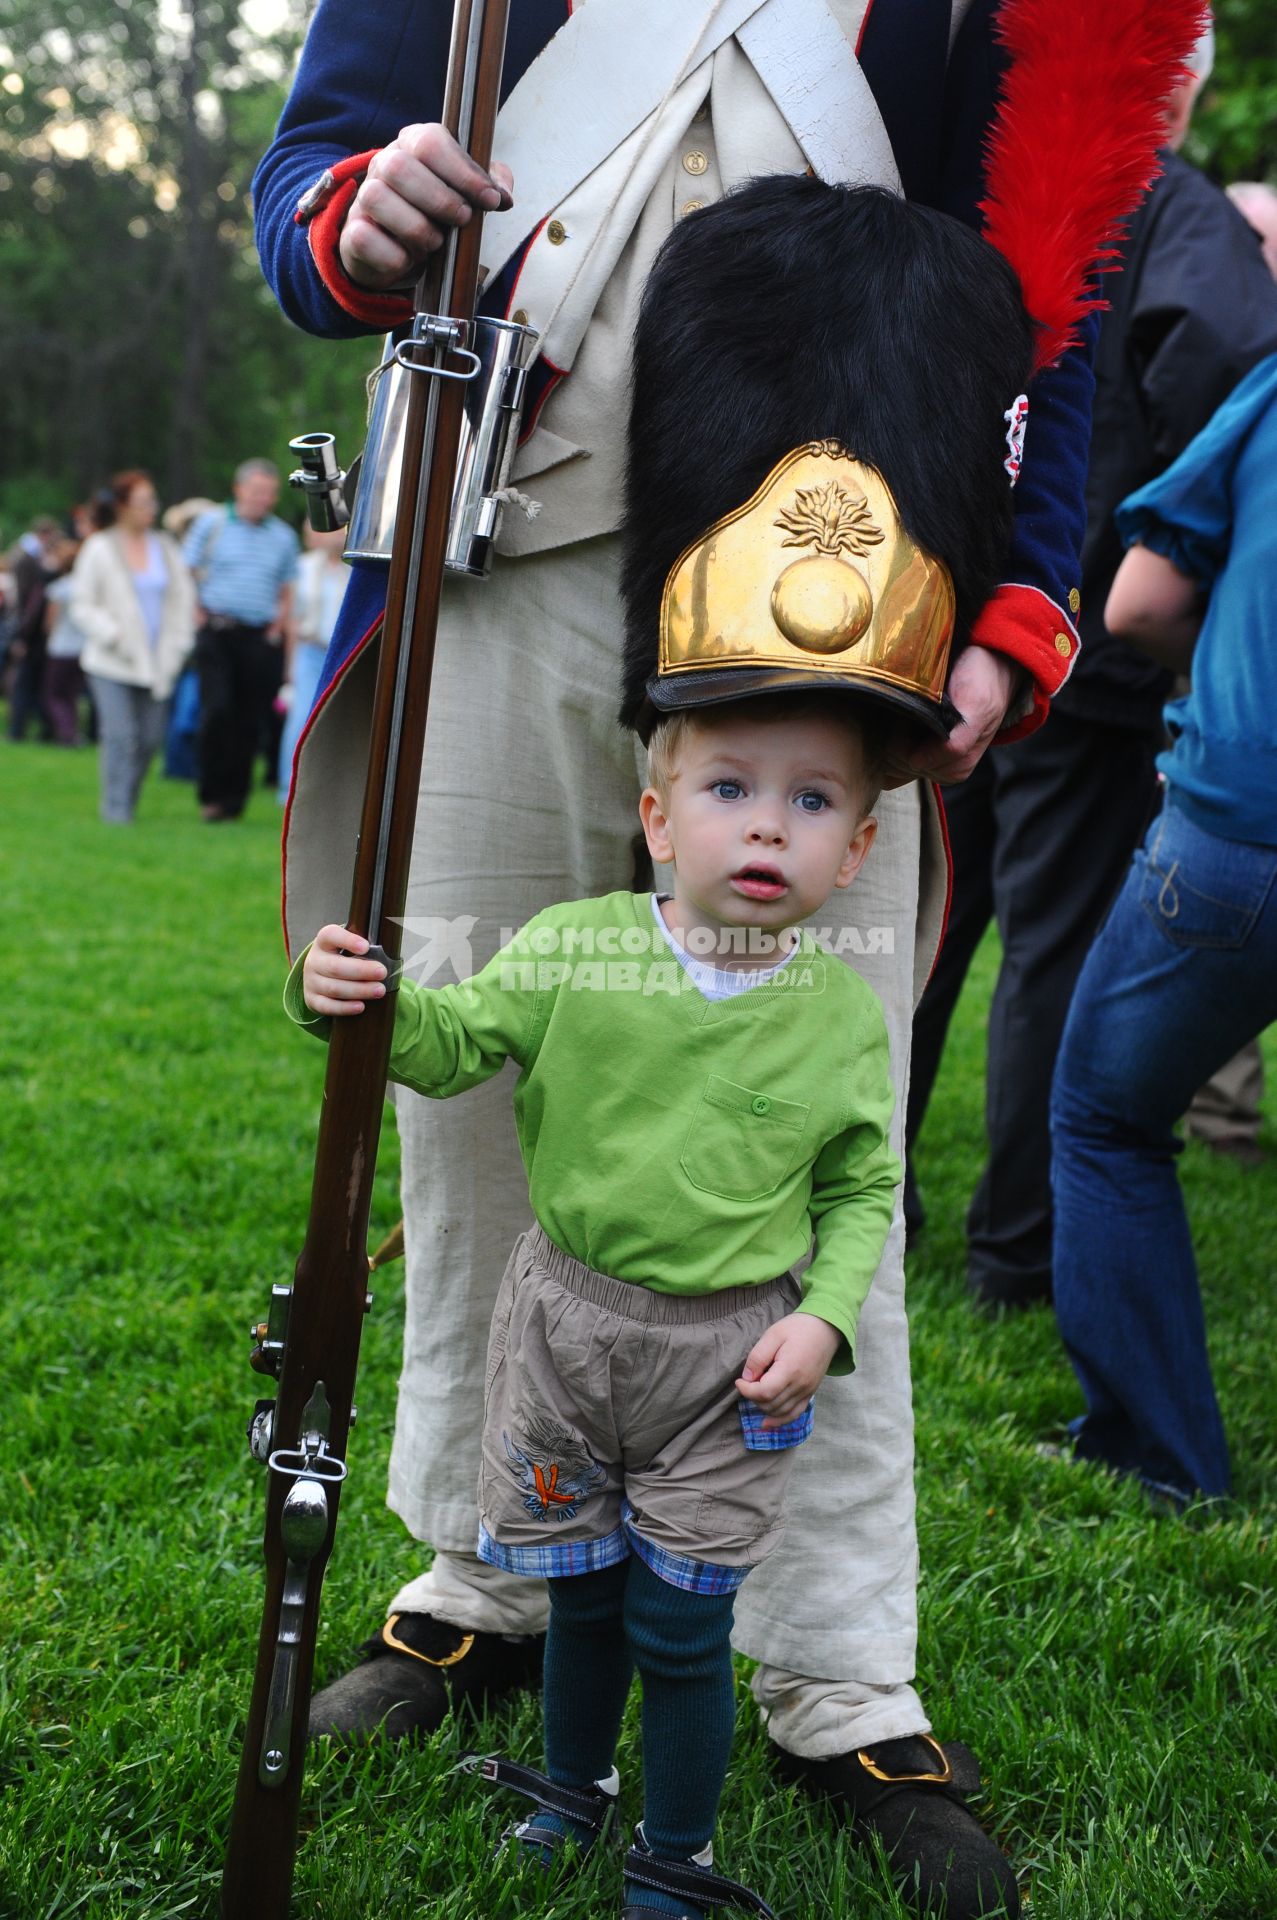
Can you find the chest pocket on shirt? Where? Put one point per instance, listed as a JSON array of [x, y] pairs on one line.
[[741, 1142]]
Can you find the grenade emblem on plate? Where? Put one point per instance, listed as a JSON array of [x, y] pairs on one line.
[[822, 603]]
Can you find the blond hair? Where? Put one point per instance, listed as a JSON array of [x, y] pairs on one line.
[[672, 729]]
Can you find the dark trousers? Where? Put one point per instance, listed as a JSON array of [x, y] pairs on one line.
[[26, 695], [63, 691], [239, 673], [1041, 836]]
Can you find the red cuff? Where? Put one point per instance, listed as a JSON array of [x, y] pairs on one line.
[[323, 209], [1028, 627], [937, 794]]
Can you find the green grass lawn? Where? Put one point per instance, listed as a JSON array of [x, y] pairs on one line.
[[1113, 1669]]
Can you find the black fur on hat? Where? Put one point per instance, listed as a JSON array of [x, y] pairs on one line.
[[792, 311]]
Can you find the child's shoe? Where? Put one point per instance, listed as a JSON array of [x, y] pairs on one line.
[[566, 1816], [683, 1889]]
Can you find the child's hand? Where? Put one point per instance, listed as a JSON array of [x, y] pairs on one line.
[[787, 1365], [334, 979]]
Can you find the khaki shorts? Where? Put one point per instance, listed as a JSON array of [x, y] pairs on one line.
[[612, 1425]]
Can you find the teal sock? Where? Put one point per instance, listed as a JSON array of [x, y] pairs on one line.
[[676, 1904], [587, 1681], [681, 1647]]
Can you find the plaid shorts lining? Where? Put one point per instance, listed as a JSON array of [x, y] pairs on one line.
[[676, 1569], [556, 1558], [792, 1434], [560, 1559]]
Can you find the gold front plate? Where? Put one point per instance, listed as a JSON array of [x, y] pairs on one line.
[[815, 573]]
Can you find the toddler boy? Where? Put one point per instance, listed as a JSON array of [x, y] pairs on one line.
[[700, 1087]]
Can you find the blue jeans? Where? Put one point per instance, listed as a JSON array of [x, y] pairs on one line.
[[1183, 972], [308, 661]]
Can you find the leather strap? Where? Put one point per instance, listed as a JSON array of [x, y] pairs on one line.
[[809, 67], [586, 92], [697, 1884], [590, 1806], [598, 80]]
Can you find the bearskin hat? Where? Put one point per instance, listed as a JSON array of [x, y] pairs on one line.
[[793, 311]]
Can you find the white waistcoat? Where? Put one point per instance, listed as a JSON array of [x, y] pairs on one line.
[[628, 120]]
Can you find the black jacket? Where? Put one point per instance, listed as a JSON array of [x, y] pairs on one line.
[[1193, 309]]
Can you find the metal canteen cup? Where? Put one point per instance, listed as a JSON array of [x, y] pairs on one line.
[[489, 435], [321, 480]]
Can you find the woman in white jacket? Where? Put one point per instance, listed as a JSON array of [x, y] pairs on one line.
[[134, 600]]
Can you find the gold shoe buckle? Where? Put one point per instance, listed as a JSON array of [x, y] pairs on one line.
[[392, 1639], [941, 1779]]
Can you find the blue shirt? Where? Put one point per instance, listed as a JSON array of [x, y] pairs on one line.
[[241, 565], [150, 586], [1213, 514]]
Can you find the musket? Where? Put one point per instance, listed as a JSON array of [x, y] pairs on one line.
[[310, 1339]]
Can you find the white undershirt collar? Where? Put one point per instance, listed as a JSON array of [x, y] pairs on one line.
[[716, 983]]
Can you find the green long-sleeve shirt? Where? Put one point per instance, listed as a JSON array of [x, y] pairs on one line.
[[681, 1143]]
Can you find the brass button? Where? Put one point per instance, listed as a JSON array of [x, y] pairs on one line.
[[520, 316], [1063, 645], [760, 1103], [1075, 599], [695, 161], [556, 233], [691, 206]]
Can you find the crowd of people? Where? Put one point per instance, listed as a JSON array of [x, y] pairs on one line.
[[196, 635]]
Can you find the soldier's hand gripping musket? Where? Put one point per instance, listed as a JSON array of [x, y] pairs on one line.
[[432, 398]]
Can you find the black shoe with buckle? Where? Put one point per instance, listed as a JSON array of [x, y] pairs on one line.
[[417, 1671], [542, 1838], [686, 1880], [913, 1793]]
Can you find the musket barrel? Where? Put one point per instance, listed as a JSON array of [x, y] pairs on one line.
[[329, 1293]]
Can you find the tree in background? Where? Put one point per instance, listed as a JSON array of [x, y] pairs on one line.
[[134, 325], [1234, 132]]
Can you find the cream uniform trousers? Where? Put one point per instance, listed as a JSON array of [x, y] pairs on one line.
[[528, 797]]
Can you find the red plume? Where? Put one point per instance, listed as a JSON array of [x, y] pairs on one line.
[[1074, 143]]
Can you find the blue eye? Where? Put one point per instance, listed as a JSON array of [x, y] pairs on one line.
[[727, 789], [813, 802]]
